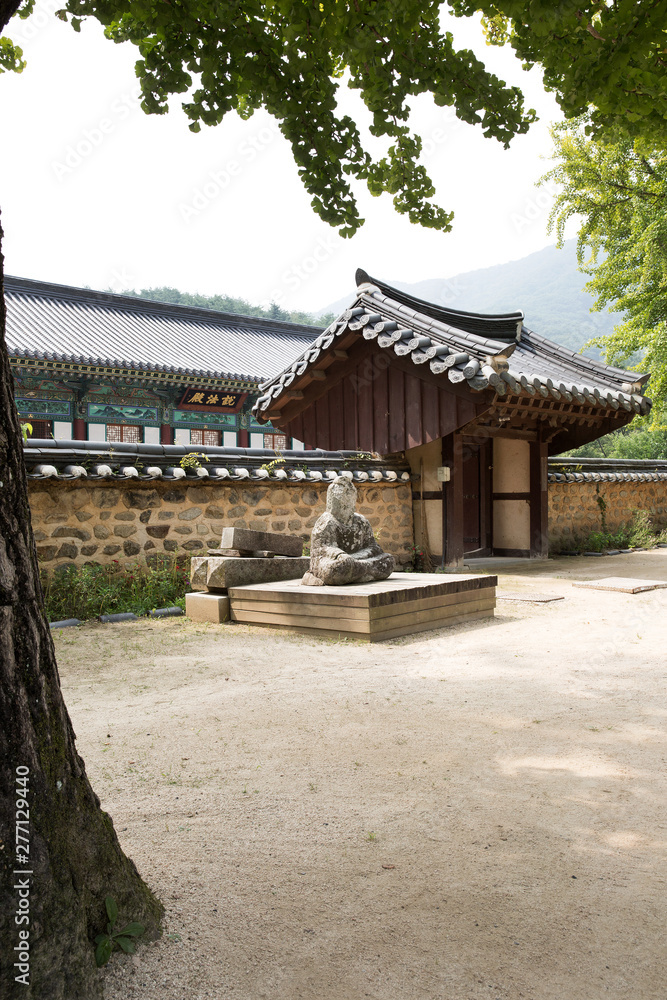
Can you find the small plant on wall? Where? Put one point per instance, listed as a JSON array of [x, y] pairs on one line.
[[191, 460]]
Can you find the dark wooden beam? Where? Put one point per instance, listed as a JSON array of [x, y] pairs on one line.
[[539, 502]]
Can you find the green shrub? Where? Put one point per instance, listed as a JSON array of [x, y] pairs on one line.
[[638, 533], [88, 591]]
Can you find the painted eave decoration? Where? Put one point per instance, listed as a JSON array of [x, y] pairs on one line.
[[482, 352]]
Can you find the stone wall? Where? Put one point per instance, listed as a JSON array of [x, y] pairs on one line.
[[77, 522], [574, 510]]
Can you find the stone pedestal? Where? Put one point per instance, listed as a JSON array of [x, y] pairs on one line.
[[207, 607], [384, 609]]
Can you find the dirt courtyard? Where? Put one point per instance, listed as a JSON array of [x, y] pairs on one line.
[[474, 813]]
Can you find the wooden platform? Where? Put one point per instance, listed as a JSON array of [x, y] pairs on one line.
[[385, 609]]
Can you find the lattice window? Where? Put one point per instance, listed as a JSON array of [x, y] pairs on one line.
[[276, 441], [40, 428], [204, 437], [124, 433]]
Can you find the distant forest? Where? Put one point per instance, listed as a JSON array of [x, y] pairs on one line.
[[229, 304]]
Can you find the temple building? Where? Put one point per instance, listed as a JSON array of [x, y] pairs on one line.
[[96, 366], [475, 403]]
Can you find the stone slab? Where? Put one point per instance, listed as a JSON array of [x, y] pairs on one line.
[[620, 585], [383, 609], [535, 598], [241, 553], [253, 541], [207, 607], [222, 572]]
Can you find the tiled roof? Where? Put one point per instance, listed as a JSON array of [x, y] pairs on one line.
[[609, 470], [49, 459], [496, 352], [60, 323]]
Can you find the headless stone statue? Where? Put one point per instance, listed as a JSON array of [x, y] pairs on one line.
[[342, 547]]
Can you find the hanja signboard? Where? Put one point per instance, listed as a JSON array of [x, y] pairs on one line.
[[212, 400]]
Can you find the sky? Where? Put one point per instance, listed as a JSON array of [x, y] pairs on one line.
[[96, 193]]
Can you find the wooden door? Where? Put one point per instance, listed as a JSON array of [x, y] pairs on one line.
[[476, 499]]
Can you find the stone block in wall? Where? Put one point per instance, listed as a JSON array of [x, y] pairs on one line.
[[124, 530], [190, 514], [252, 497], [101, 531], [145, 516], [183, 529], [56, 518], [157, 530], [197, 494], [83, 515], [193, 544], [170, 546], [141, 499], [125, 515], [67, 551], [40, 536], [131, 548], [174, 496], [70, 532], [46, 552], [149, 545], [89, 550], [111, 550], [104, 496], [214, 512]]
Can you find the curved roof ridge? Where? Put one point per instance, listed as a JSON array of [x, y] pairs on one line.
[[506, 324]]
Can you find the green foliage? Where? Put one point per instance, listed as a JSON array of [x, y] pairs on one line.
[[638, 440], [619, 189], [26, 431], [639, 533], [88, 591], [124, 939], [595, 54], [271, 466], [230, 304], [290, 57], [11, 57], [191, 460]]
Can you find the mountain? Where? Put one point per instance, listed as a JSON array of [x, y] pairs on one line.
[[546, 285]]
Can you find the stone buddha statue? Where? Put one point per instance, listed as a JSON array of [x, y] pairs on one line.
[[342, 546]]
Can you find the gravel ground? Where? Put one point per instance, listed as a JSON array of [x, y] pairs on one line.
[[474, 813]]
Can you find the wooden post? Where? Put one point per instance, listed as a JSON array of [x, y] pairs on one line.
[[452, 507], [166, 434], [539, 500], [244, 438], [79, 429]]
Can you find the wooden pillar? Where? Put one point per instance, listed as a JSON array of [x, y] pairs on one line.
[[79, 429], [244, 438], [166, 434], [452, 507], [539, 500]]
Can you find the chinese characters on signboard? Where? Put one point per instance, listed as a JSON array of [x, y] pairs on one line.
[[212, 400]]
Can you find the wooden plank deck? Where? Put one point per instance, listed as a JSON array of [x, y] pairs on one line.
[[384, 609]]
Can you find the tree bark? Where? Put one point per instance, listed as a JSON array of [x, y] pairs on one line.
[[71, 859], [7, 10]]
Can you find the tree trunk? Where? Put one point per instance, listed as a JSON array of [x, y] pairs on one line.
[[57, 868]]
